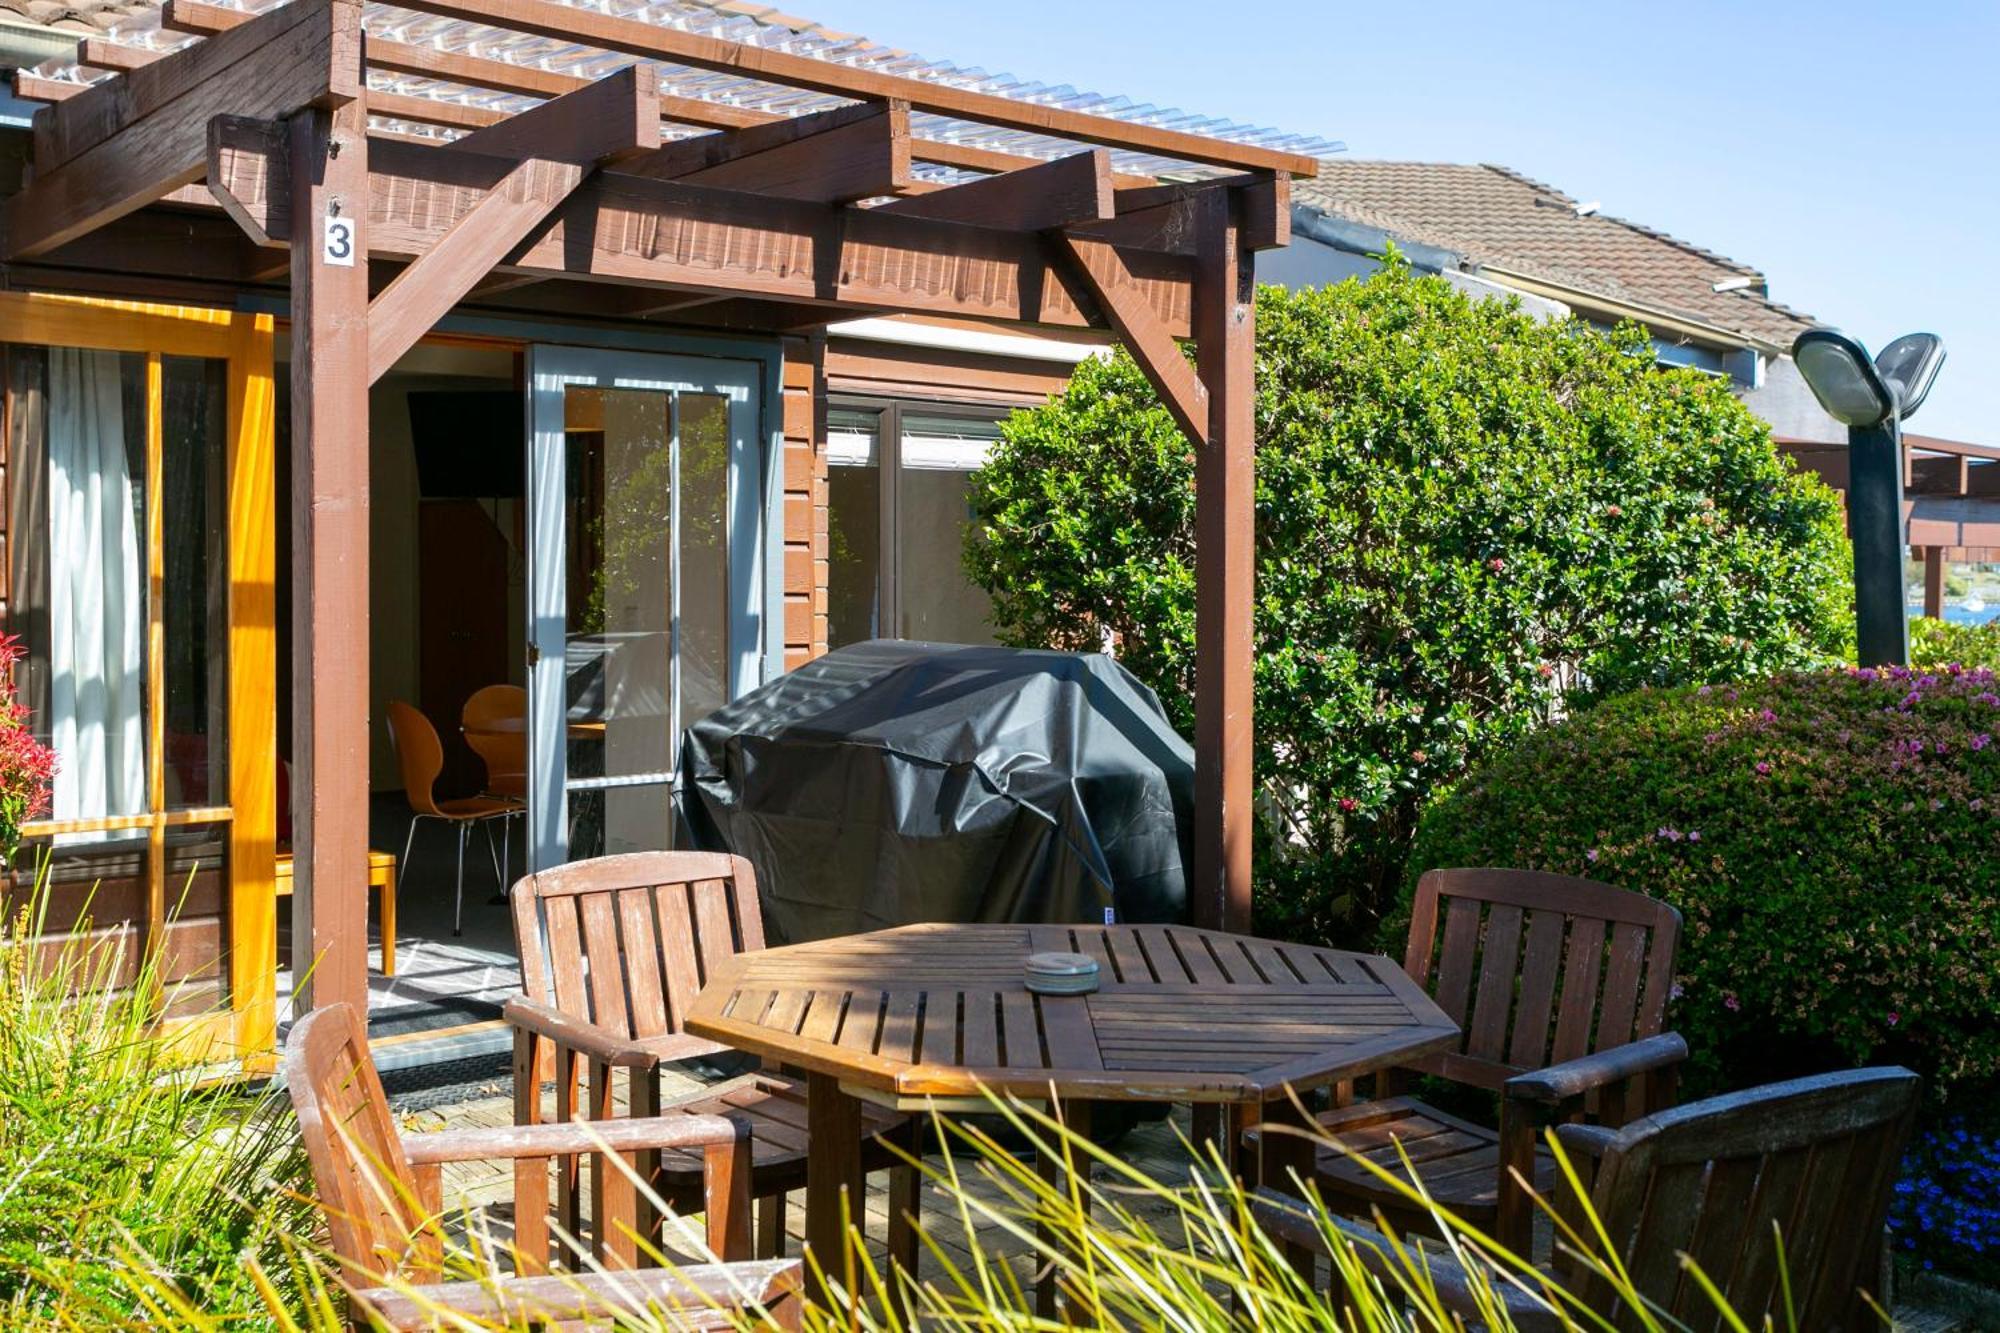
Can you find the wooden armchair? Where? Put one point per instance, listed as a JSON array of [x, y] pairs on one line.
[[1805, 1169], [380, 1191], [613, 951], [1560, 985]]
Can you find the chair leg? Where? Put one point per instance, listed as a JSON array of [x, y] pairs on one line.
[[493, 855], [771, 1226], [458, 903], [402, 866]]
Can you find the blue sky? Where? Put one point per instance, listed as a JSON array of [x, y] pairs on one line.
[[1851, 151]]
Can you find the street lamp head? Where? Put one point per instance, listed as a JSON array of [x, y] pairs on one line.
[[1839, 372], [1909, 365]]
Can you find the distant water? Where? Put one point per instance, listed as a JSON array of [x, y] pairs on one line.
[[1958, 615]]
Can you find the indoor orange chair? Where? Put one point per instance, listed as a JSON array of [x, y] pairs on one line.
[[504, 748], [421, 756]]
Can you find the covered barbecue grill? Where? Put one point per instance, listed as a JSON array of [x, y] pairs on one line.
[[892, 782]]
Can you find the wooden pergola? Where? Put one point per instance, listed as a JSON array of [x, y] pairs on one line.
[[192, 172], [1951, 500]]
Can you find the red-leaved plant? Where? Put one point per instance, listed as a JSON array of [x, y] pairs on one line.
[[27, 767]]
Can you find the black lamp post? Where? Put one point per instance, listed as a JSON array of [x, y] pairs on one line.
[[1873, 399]]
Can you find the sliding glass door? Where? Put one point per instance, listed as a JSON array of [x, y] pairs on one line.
[[645, 584]]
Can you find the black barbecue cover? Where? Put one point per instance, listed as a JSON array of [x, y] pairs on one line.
[[892, 782]]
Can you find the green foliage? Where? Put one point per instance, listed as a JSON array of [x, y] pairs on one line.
[[1130, 1251], [115, 1160], [1935, 643], [1464, 514], [1828, 837]]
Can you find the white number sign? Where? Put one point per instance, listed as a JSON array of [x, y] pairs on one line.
[[337, 243]]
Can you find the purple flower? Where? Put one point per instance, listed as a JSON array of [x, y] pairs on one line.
[[1694, 835], [1894, 1018], [1591, 856], [1676, 992], [1763, 768], [1981, 741], [1731, 1003], [1767, 716]]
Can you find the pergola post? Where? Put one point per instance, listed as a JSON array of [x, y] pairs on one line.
[[1225, 566], [1934, 582], [329, 187]]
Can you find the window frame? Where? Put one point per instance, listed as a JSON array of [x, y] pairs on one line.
[[889, 413], [248, 820]]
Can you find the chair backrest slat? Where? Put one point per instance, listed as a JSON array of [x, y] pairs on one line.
[[641, 933], [1538, 968], [683, 974], [365, 1184], [1808, 1165], [626, 942]]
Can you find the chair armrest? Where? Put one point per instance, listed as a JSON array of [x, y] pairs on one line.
[[586, 1039], [1591, 1141], [1573, 1078], [575, 1137]]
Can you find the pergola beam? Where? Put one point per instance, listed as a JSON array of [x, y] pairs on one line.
[[558, 144], [119, 145], [1158, 355], [1225, 569], [330, 501], [1057, 193], [472, 71], [635, 37], [694, 238], [861, 151]]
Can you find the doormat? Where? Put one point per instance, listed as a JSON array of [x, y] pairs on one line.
[[408, 1013], [448, 1083]]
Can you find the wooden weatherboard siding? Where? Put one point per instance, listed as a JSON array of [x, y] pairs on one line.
[[804, 517]]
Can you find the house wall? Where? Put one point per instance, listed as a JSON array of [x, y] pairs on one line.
[[1784, 400], [805, 564]]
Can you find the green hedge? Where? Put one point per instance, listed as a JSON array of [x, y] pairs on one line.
[[1829, 837], [1935, 643], [1464, 515]]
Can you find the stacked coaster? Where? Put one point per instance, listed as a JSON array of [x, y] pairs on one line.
[[1061, 973]]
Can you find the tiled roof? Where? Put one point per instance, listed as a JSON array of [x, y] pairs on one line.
[[1499, 218], [83, 17], [736, 20]]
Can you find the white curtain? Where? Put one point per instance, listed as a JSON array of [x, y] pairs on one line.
[[96, 599]]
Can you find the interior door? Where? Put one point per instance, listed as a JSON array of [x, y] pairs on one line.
[[645, 584]]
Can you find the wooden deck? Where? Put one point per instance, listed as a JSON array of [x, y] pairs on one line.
[[485, 1189]]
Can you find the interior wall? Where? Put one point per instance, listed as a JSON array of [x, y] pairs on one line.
[[395, 572]]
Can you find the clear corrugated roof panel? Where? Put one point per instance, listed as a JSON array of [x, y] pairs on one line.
[[766, 28]]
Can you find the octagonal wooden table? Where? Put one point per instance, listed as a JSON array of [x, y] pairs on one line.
[[934, 1016]]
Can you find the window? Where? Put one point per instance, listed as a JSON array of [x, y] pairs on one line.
[[117, 521], [896, 520]]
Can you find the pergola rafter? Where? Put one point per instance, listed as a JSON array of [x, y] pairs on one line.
[[776, 222]]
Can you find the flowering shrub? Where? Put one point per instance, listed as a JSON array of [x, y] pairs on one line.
[[1947, 1205], [1934, 642], [26, 765], [1465, 516], [1830, 839]]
